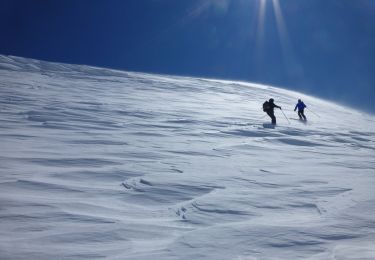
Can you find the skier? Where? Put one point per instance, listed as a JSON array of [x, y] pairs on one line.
[[301, 107], [268, 107]]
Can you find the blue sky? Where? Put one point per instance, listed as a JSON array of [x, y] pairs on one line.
[[321, 47]]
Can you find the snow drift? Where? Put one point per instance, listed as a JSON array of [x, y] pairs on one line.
[[98, 163]]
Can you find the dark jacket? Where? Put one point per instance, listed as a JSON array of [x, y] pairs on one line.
[[272, 106], [300, 106]]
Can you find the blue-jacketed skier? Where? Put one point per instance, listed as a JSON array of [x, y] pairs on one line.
[[301, 107]]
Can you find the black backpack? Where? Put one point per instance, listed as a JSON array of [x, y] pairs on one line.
[[266, 106]]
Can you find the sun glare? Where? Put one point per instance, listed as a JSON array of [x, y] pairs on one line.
[[260, 24], [263, 9], [281, 27]]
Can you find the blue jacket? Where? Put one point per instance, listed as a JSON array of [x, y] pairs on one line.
[[300, 106]]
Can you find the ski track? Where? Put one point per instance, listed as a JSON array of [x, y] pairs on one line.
[[98, 163]]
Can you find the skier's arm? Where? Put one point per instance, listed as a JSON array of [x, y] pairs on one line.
[[296, 107]]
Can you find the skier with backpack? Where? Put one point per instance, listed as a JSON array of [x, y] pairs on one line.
[[301, 107], [268, 107]]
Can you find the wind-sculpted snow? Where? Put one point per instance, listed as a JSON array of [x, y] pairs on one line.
[[98, 163]]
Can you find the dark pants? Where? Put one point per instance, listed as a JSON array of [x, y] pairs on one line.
[[301, 114], [271, 114]]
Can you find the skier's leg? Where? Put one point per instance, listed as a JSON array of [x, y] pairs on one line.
[[274, 120], [272, 116], [269, 114], [300, 114]]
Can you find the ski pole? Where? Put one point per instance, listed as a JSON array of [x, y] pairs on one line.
[[285, 116], [313, 112]]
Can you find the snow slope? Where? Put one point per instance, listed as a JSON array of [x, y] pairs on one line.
[[98, 163]]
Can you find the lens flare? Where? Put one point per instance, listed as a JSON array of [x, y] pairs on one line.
[[291, 64], [281, 28], [260, 24]]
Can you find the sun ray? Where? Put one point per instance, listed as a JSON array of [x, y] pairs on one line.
[[281, 27], [290, 62], [260, 24], [259, 44]]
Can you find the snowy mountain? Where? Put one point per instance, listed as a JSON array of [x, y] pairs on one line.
[[99, 163]]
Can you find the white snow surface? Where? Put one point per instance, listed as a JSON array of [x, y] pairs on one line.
[[98, 163]]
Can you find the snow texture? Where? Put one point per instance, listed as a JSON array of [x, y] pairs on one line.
[[98, 163]]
